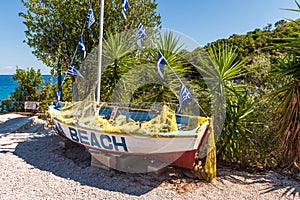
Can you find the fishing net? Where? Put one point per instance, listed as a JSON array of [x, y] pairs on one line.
[[128, 119]]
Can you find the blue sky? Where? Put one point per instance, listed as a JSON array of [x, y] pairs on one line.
[[202, 20]]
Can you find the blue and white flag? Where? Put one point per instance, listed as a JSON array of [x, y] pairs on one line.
[[81, 46], [141, 34], [184, 94], [160, 64], [72, 71], [58, 95], [125, 6], [90, 18]]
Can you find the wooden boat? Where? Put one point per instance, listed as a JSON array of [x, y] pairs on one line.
[[159, 134], [164, 136]]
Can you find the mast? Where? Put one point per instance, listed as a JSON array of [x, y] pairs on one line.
[[100, 49]]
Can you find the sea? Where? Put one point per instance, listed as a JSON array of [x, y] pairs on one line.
[[8, 85]]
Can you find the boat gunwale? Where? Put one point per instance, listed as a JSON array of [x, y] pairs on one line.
[[110, 105], [197, 132]]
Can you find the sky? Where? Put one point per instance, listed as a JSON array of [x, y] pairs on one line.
[[203, 21]]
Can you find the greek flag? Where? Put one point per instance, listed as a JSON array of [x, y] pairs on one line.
[[90, 18], [161, 62], [72, 71], [58, 95], [125, 6], [184, 94], [141, 33], [81, 46]]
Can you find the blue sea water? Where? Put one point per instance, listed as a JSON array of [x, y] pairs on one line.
[[8, 85]]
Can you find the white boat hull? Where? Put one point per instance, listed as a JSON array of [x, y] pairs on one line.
[[178, 148]]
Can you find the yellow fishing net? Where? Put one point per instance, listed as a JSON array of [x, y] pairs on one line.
[[164, 122], [210, 166]]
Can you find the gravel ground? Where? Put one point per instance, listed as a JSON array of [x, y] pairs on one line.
[[35, 166]]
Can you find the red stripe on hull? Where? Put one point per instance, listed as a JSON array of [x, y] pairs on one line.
[[180, 159]]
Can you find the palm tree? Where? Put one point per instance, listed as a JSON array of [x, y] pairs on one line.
[[219, 68], [289, 96], [226, 69]]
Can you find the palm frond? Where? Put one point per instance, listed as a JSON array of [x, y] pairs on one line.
[[226, 63]]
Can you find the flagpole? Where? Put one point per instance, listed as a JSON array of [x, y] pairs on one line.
[[100, 49]]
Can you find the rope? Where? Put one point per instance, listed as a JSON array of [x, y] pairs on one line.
[[74, 55]]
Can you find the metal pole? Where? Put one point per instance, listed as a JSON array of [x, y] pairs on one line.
[[59, 79], [100, 49]]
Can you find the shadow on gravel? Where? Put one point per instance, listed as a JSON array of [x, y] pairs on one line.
[[279, 182], [46, 154], [12, 125], [275, 181]]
